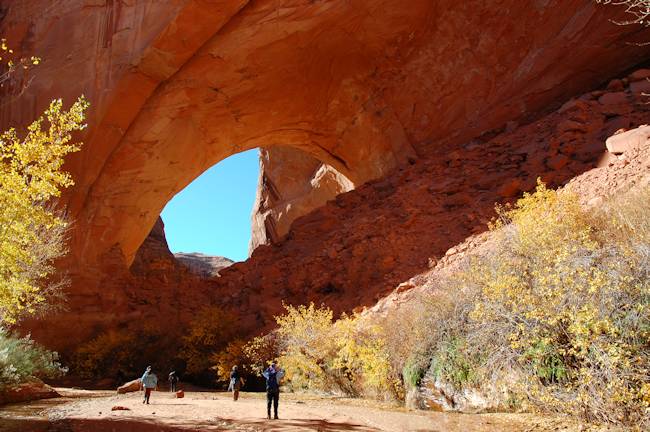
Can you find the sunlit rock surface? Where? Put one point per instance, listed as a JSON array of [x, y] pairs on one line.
[[424, 102]]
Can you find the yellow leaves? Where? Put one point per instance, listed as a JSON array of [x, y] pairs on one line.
[[210, 328], [569, 293], [31, 232], [319, 353]]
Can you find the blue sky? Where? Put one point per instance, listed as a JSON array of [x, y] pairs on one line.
[[212, 214]]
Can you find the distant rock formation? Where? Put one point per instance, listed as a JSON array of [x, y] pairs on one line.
[[203, 265], [291, 184]]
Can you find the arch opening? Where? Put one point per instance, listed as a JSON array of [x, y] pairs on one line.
[[211, 216], [242, 202]]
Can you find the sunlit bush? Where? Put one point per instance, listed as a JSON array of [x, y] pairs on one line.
[[21, 358], [233, 355], [32, 234], [347, 356], [557, 313]]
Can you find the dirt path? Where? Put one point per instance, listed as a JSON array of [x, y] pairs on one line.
[[85, 411]]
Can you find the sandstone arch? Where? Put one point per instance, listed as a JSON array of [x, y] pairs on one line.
[[178, 86], [364, 86]]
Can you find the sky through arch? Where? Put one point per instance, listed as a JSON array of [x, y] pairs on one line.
[[212, 215]]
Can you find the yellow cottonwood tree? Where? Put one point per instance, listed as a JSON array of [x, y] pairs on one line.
[[31, 231]]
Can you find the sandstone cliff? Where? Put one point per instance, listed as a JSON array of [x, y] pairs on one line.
[[203, 265], [291, 184], [417, 107]]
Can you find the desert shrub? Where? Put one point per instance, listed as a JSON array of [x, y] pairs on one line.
[[233, 354], [260, 351], [570, 295], [305, 336], [209, 332], [429, 334], [21, 358], [407, 332], [362, 357], [106, 354], [347, 356], [556, 313], [125, 353], [454, 364]]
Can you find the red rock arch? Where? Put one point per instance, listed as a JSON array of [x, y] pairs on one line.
[[364, 86]]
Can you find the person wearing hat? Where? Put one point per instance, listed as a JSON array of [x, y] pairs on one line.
[[149, 382], [173, 381]]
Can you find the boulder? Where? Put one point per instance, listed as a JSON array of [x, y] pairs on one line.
[[639, 75], [615, 98], [180, 394], [33, 389], [640, 87], [616, 85], [626, 141], [131, 386]]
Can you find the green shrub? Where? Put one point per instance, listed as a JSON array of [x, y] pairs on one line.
[[413, 372], [21, 358], [452, 364]]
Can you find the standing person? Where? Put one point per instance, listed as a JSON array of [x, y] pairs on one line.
[[236, 382], [149, 382], [173, 380], [273, 376]]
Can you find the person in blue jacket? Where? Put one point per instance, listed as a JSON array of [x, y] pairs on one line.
[[149, 382], [273, 374]]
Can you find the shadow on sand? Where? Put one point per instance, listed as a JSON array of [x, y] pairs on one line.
[[8, 424]]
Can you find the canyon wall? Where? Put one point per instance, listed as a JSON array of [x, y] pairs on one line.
[[416, 106], [291, 184]]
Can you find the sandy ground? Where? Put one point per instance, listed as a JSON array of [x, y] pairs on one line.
[[90, 411]]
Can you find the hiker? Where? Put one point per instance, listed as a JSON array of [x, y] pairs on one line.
[[273, 376], [236, 382], [149, 381], [173, 380]]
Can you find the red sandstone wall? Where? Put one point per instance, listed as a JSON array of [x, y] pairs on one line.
[[375, 89]]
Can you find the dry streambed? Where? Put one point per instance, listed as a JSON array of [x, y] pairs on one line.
[[83, 411]]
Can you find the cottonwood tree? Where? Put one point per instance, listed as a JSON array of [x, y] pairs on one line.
[[32, 232]]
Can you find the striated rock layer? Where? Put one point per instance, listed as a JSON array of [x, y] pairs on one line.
[[357, 248], [201, 264], [410, 99], [291, 184]]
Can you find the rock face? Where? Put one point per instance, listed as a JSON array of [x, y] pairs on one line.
[[203, 265], [591, 187], [175, 89], [33, 389], [626, 142], [354, 250], [291, 184], [421, 102]]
